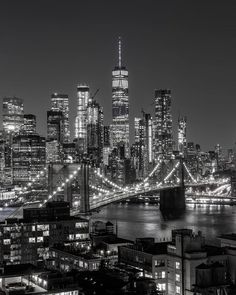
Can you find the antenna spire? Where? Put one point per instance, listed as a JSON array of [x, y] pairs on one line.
[[119, 52]]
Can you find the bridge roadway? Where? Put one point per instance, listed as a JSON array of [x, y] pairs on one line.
[[99, 201]]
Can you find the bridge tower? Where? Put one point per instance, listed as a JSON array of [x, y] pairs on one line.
[[57, 173], [173, 199], [84, 188]]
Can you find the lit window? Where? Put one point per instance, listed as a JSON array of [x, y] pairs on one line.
[[46, 233], [6, 241], [177, 289], [39, 239], [177, 265], [31, 240], [161, 287], [177, 277]]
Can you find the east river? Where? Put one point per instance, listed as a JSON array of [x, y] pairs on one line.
[[134, 220], [140, 220]]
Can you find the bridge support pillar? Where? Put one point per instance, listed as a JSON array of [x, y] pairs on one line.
[[68, 194], [173, 199], [84, 188]]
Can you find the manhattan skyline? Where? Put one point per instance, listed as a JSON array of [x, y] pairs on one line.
[[53, 47]]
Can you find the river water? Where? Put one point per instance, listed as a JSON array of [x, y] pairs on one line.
[[140, 220], [134, 220]]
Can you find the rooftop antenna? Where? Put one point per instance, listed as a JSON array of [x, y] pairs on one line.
[[119, 52]]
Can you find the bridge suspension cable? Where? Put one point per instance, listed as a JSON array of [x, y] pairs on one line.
[[68, 179], [153, 171], [189, 173], [109, 181]]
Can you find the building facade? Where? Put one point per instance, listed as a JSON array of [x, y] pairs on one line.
[[182, 135], [60, 103], [120, 105], [13, 114], [83, 98], [27, 240], [28, 157], [163, 139]]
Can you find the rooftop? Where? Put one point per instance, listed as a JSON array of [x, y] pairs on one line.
[[231, 236]]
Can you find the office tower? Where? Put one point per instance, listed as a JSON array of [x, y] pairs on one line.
[[106, 144], [29, 126], [13, 115], [94, 131], [120, 105], [143, 144], [69, 152], [55, 126], [148, 143], [54, 152], [136, 129], [106, 136], [28, 157], [182, 139], [163, 142], [60, 103], [83, 98]]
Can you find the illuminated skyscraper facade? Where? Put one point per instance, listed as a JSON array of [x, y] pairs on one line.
[[163, 139], [136, 129], [94, 132], [28, 157], [143, 147], [60, 103], [81, 117], [182, 139], [55, 126], [13, 115], [29, 126], [120, 105]]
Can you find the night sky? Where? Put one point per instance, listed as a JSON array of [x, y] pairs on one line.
[[186, 46]]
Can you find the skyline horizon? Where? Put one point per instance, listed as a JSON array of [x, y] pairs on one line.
[[49, 47]]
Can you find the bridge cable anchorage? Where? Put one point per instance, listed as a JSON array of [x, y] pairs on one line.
[[68, 179], [27, 186], [189, 173]]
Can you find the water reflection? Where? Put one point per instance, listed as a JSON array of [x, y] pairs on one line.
[[137, 220]]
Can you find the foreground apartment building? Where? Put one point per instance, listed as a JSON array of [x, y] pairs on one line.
[[27, 240], [186, 265]]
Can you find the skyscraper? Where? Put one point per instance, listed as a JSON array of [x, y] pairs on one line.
[[120, 105], [29, 126], [81, 117], [136, 129], [55, 126], [13, 115], [163, 141], [28, 157], [182, 139], [60, 103], [94, 131]]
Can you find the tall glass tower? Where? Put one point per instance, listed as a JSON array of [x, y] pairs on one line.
[[60, 103], [163, 139], [182, 139], [83, 99], [120, 105], [13, 114]]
